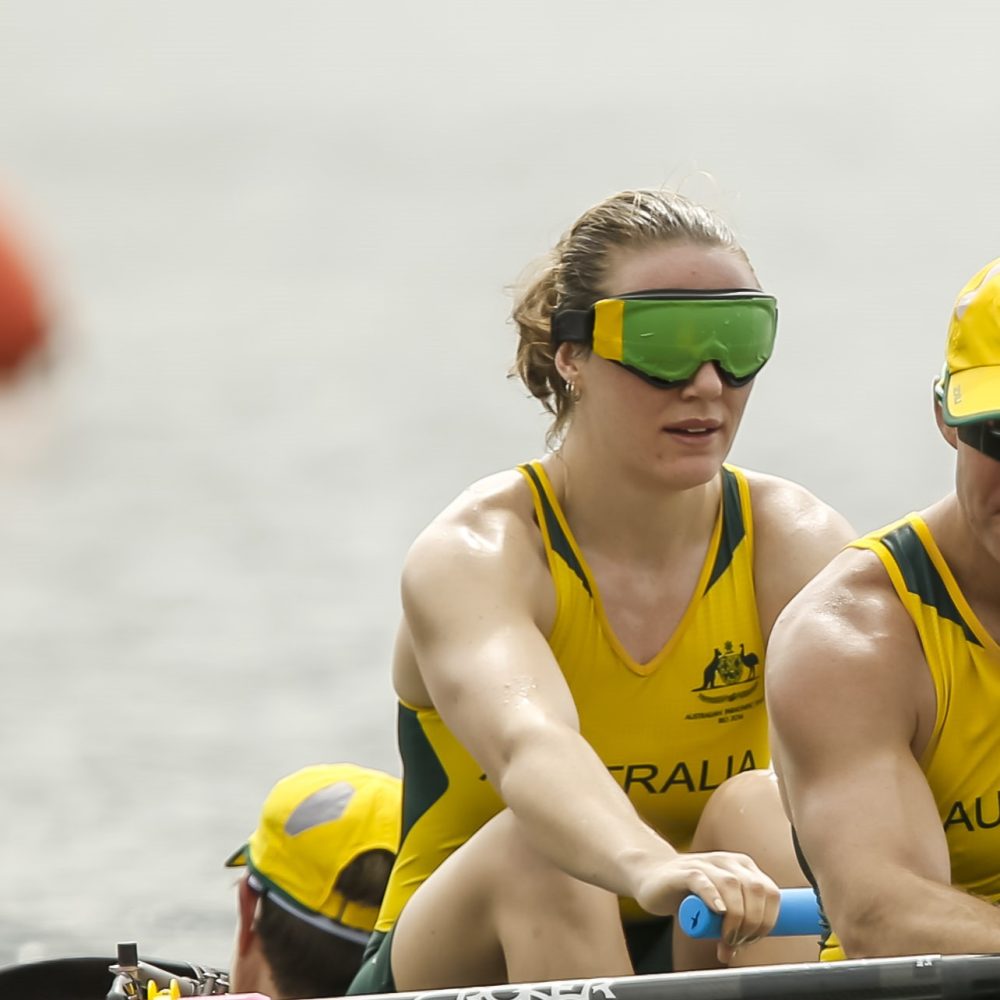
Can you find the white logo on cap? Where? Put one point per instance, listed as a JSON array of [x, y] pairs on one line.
[[956, 394], [323, 806]]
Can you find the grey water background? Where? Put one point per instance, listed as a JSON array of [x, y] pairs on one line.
[[278, 240]]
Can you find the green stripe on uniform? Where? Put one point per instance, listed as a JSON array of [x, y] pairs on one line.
[[733, 528], [922, 578], [425, 778]]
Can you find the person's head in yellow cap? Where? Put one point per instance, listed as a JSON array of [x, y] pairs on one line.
[[316, 869], [970, 382], [968, 407]]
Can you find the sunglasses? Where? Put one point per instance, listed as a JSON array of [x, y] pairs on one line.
[[983, 435], [665, 335]]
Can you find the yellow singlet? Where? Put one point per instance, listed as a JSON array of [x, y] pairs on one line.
[[670, 730], [962, 759]]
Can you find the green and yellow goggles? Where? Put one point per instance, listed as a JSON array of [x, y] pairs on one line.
[[665, 335]]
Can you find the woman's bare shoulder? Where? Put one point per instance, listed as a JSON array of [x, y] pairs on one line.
[[495, 504], [477, 568], [796, 534], [853, 587], [791, 507], [489, 527]]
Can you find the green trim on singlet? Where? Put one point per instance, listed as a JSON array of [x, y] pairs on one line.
[[922, 578], [426, 778], [733, 528], [557, 537], [375, 973], [824, 920]]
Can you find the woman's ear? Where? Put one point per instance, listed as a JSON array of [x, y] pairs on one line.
[[568, 361]]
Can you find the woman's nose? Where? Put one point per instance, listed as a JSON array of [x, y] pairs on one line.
[[706, 381]]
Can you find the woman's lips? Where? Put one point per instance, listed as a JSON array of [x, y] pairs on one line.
[[694, 431]]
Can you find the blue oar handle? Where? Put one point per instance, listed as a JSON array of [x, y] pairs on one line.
[[798, 915]]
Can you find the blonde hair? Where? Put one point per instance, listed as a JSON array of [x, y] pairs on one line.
[[572, 276]]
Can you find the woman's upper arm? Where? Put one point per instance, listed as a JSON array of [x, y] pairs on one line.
[[471, 596]]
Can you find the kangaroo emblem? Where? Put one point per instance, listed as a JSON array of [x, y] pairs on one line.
[[711, 671]]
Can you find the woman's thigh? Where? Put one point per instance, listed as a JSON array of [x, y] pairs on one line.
[[496, 911]]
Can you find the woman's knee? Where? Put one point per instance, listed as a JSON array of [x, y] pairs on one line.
[[743, 808], [745, 815]]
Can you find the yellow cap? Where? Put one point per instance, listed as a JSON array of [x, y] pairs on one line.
[[312, 825], [970, 386]]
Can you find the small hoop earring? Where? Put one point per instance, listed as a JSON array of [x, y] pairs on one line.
[[573, 392]]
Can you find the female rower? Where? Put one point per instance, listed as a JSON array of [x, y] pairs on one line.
[[580, 662]]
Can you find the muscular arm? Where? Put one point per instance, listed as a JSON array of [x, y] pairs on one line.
[[848, 702], [490, 674], [471, 596]]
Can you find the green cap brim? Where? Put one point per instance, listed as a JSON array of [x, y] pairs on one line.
[[238, 859]]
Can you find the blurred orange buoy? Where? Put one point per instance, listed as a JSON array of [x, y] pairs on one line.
[[23, 324]]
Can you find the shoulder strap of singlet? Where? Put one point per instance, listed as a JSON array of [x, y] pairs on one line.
[[551, 522], [737, 522], [903, 551]]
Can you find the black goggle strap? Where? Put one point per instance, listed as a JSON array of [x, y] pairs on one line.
[[573, 326]]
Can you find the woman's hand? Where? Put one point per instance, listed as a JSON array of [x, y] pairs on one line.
[[731, 884]]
